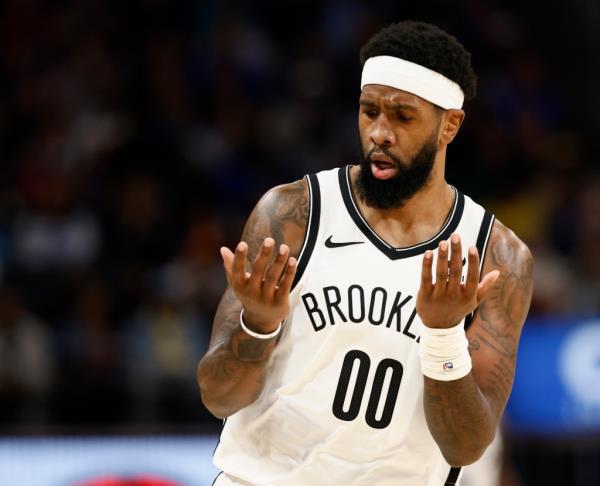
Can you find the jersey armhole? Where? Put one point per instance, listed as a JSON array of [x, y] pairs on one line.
[[453, 476], [314, 215], [482, 242]]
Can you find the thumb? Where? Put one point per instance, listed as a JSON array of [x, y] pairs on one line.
[[486, 284], [227, 256]]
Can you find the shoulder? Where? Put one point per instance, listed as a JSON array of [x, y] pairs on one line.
[[507, 304], [282, 214], [286, 198], [507, 253]]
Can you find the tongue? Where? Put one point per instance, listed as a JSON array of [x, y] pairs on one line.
[[383, 171]]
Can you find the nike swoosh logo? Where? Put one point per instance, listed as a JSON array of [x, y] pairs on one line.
[[331, 244]]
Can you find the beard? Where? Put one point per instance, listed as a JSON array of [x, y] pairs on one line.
[[411, 177]]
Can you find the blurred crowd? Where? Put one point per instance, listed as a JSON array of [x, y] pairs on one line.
[[136, 136]]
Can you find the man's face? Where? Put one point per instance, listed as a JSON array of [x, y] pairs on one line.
[[399, 138]]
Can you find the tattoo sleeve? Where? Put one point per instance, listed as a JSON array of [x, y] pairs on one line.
[[463, 414], [231, 374]]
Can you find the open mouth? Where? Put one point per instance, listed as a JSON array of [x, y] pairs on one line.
[[381, 164], [383, 167]]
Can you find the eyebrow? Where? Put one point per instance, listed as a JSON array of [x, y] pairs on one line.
[[401, 106], [366, 102], [390, 106]]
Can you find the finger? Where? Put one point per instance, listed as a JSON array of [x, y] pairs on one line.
[[426, 271], [486, 284], [283, 291], [455, 262], [473, 272], [441, 269], [260, 263], [238, 267], [274, 272], [227, 256]]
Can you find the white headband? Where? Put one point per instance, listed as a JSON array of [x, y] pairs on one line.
[[414, 78]]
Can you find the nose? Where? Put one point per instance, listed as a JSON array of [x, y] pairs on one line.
[[382, 134]]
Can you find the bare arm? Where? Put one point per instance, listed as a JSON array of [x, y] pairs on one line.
[[231, 374], [463, 414]]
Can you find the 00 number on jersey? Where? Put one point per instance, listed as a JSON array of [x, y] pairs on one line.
[[362, 376]]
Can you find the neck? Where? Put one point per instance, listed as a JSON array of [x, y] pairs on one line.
[[419, 218]]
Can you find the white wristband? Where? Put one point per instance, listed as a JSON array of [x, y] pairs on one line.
[[445, 353], [258, 335]]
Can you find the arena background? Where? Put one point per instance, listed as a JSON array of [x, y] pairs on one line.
[[135, 137]]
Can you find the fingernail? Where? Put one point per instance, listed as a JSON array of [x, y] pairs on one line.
[[428, 254], [292, 262], [455, 239], [282, 249], [241, 246], [472, 251], [444, 245], [269, 242]]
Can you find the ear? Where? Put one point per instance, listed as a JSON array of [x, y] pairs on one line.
[[451, 122]]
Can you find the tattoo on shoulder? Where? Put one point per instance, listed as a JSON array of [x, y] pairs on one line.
[[282, 214], [505, 308], [294, 205], [502, 252]]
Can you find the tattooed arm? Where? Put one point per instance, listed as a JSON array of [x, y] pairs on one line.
[[231, 374], [463, 414]]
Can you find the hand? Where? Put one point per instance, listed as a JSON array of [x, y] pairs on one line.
[[264, 292], [445, 303]]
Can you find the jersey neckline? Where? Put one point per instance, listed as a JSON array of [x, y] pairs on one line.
[[391, 252]]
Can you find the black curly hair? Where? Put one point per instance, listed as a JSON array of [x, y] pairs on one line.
[[427, 45]]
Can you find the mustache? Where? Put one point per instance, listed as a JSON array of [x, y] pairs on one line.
[[385, 151]]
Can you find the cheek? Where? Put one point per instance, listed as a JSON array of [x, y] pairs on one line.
[[363, 133]]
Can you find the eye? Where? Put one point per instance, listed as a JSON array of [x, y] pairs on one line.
[[371, 113], [404, 118]]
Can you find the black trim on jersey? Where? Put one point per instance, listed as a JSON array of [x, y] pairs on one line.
[[397, 253], [484, 236], [482, 240], [314, 215], [215, 450], [452, 476], [216, 477]]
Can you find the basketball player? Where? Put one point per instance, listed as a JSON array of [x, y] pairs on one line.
[[369, 331]]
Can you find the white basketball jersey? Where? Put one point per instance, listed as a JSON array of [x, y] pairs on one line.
[[343, 399]]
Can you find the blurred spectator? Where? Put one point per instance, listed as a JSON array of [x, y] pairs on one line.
[[586, 296], [160, 346], [91, 387], [54, 237], [27, 366], [195, 275], [54, 233]]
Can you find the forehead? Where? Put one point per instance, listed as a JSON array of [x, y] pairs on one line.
[[386, 95]]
